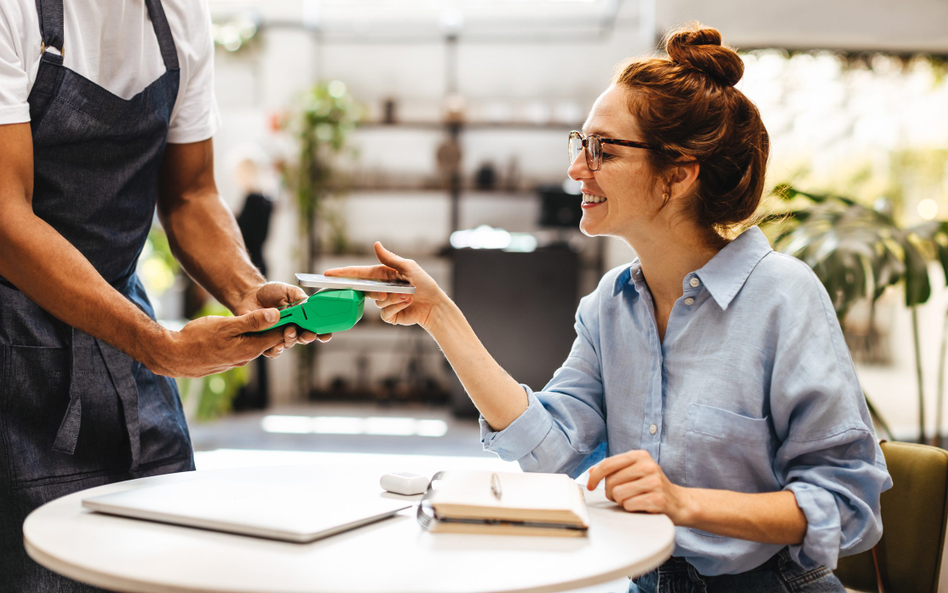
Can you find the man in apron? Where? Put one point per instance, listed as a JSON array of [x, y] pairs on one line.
[[85, 393]]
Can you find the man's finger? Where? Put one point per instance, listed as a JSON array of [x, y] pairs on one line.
[[255, 320], [253, 345]]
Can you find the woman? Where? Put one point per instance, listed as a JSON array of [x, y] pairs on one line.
[[714, 370]]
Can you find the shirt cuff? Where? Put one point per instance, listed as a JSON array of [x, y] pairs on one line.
[[521, 436], [820, 545]]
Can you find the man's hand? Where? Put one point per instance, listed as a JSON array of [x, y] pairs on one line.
[[214, 344], [278, 294], [636, 483]]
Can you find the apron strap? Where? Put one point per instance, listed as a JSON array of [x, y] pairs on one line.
[[68, 434], [165, 41], [119, 367], [50, 14]]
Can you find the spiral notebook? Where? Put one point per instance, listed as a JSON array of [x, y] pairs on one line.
[[504, 503]]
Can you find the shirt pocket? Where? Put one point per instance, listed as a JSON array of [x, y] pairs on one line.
[[729, 451]]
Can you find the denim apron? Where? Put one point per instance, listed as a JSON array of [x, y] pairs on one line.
[[74, 411]]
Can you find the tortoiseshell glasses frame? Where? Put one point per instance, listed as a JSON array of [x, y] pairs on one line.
[[592, 145]]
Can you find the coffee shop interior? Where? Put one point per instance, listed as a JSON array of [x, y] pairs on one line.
[[439, 129]]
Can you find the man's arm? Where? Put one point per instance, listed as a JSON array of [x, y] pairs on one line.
[[205, 238], [41, 263]]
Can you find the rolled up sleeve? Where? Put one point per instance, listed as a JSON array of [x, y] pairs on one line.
[[564, 424], [828, 457]]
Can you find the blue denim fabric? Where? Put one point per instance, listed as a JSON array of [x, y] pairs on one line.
[[751, 389], [780, 574], [74, 411]]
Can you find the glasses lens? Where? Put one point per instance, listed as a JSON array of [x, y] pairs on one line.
[[575, 146], [593, 152]]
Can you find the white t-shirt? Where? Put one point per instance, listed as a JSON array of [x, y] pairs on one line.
[[113, 43]]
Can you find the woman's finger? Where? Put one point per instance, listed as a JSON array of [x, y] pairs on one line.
[[364, 272], [398, 263], [376, 296], [633, 488], [390, 313]]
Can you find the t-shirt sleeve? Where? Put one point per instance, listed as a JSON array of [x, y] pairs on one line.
[[196, 116], [14, 81]]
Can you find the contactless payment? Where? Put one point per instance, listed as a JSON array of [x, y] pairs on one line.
[[325, 312], [338, 282]]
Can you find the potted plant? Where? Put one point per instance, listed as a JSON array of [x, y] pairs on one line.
[[857, 252]]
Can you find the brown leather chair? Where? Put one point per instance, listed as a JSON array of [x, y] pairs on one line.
[[914, 513]]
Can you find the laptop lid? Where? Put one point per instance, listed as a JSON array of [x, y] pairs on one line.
[[294, 512]]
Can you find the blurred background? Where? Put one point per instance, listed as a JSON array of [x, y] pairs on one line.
[[439, 127]]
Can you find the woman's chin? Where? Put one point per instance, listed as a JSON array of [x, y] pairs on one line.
[[591, 226]]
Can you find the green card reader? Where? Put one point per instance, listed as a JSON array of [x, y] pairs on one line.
[[325, 312]]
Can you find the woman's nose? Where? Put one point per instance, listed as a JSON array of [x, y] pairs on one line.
[[578, 169]]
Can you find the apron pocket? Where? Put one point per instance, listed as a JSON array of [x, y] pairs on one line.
[[36, 385]]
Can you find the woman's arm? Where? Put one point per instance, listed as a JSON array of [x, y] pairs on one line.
[[499, 398], [637, 483]]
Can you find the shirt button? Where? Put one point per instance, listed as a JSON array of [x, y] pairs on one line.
[[652, 429], [695, 283], [689, 301]]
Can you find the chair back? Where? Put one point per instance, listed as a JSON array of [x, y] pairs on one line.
[[914, 514]]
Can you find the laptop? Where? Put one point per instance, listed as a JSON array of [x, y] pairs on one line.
[[293, 512]]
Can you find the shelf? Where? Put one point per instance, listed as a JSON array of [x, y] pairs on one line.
[[484, 125]]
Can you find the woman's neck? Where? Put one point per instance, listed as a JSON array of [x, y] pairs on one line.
[[670, 255]]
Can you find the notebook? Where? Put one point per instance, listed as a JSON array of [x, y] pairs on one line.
[[504, 503], [291, 512]]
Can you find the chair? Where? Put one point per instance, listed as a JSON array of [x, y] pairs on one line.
[[914, 513]]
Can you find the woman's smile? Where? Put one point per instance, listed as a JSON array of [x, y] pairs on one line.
[[591, 200]]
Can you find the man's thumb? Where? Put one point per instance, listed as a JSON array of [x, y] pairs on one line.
[[257, 320]]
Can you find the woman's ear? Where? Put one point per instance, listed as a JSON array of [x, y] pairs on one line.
[[682, 178]]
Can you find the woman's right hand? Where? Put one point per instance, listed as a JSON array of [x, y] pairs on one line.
[[215, 344], [422, 308]]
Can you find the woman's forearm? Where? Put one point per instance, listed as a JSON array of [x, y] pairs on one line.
[[494, 392], [770, 517]]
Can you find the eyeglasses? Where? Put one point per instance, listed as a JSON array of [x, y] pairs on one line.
[[592, 144]]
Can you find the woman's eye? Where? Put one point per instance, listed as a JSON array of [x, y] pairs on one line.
[[607, 156]]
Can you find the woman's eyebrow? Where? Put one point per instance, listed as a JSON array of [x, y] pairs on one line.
[[599, 132]]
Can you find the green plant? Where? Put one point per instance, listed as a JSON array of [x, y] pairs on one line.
[[321, 124], [858, 252]]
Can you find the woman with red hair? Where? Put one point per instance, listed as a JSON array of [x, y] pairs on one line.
[[711, 372]]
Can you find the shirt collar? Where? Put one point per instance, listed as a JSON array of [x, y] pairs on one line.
[[724, 275]]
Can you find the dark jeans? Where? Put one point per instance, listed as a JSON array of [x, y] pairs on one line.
[[779, 574]]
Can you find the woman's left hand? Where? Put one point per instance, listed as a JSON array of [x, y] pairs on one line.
[[636, 483]]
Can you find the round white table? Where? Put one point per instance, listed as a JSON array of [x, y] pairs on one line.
[[393, 555]]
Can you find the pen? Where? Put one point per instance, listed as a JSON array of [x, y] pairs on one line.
[[495, 486]]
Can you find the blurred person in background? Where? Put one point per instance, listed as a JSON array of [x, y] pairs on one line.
[[107, 109], [712, 368], [254, 223]]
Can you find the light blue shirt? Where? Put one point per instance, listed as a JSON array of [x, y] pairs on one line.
[[753, 390]]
